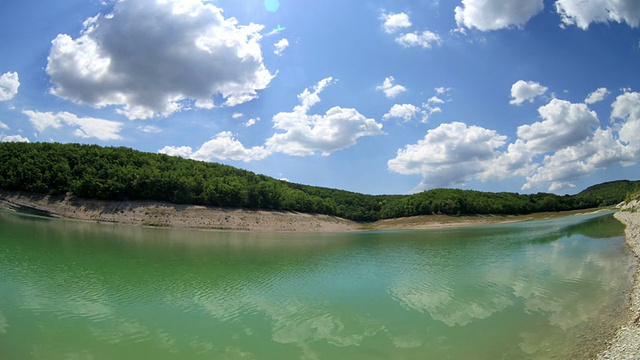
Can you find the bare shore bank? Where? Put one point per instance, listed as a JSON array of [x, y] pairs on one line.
[[163, 214], [626, 343]]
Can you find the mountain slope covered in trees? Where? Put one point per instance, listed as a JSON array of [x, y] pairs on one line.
[[110, 173]]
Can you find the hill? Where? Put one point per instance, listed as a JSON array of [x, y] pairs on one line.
[[118, 173]]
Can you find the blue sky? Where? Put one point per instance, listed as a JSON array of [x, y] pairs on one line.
[[378, 97]]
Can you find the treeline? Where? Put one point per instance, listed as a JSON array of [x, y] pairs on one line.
[[118, 173]]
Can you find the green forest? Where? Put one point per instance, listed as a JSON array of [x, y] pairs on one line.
[[119, 173]]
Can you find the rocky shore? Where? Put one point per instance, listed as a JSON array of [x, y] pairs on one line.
[[626, 343]]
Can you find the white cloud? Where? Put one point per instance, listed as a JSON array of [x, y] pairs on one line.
[[390, 90], [583, 13], [182, 151], [395, 22], [149, 57], [13, 138], [592, 150], [626, 107], [304, 134], [85, 127], [488, 15], [223, 146], [150, 129], [567, 144], [435, 100], [516, 161], [597, 152], [597, 95], [564, 124], [280, 46], [406, 112], [449, 154], [424, 39], [308, 134], [9, 84], [251, 122], [522, 91], [237, 115], [4, 126], [429, 108]]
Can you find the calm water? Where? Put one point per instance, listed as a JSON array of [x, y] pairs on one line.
[[531, 290]]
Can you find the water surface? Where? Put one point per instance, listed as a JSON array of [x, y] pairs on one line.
[[543, 289]]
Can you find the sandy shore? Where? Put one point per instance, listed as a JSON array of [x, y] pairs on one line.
[[626, 343]]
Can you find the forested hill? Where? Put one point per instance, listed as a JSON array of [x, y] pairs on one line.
[[108, 173]]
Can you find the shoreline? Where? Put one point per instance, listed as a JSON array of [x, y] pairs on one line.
[[157, 214], [626, 342]]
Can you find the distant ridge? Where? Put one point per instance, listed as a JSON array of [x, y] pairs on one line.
[[119, 173]]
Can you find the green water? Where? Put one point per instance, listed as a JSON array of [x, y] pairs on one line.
[[544, 289]]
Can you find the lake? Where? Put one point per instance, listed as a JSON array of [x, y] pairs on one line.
[[532, 290]]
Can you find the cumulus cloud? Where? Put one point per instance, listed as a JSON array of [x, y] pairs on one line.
[[564, 124], [399, 22], [568, 143], [280, 46], [597, 95], [303, 134], [86, 127], [393, 23], [306, 134], [522, 91], [223, 146], [450, 154], [516, 161], [590, 148], [13, 138], [150, 57], [9, 84], [389, 89], [251, 122], [599, 151], [488, 15], [626, 108], [182, 151], [4, 126], [425, 39], [583, 13], [406, 112]]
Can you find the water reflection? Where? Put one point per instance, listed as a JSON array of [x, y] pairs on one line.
[[528, 290]]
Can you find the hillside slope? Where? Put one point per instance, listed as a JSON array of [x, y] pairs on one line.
[[119, 174]]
